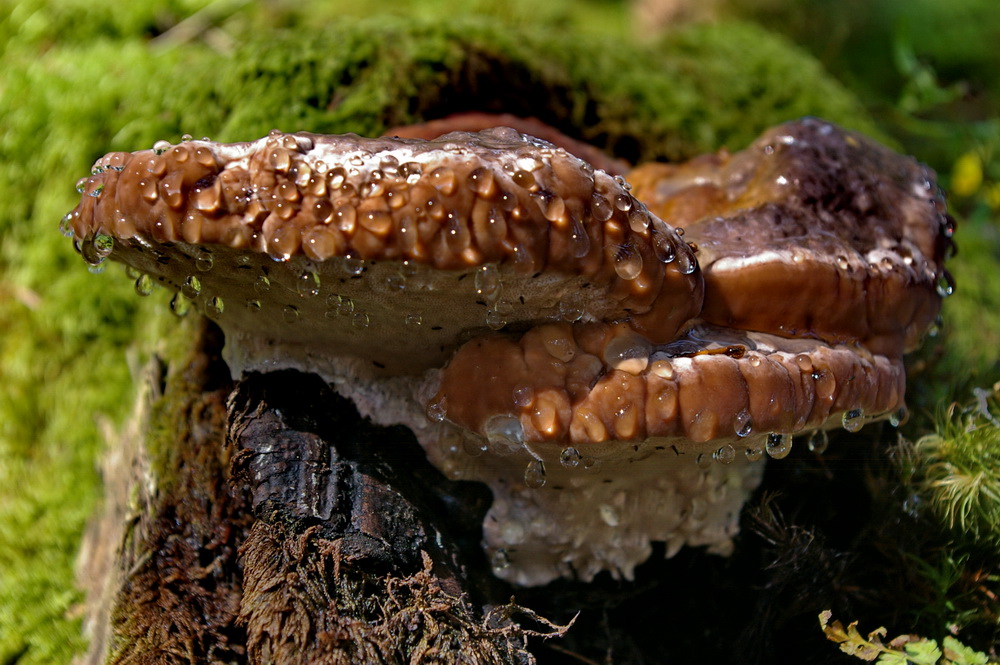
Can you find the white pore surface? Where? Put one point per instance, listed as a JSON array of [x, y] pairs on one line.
[[597, 509]]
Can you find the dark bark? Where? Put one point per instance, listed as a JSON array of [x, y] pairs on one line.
[[352, 558], [280, 527]]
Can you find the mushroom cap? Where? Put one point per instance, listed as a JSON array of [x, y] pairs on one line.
[[837, 236], [594, 370], [315, 243]]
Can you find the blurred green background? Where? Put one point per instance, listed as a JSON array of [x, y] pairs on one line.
[[78, 79]]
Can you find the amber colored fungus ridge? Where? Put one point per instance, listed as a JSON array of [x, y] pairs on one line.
[[811, 233], [458, 202], [590, 383]]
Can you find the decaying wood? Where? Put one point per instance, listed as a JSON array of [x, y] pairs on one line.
[[266, 522]]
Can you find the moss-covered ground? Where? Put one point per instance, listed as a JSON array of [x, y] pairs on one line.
[[78, 79]]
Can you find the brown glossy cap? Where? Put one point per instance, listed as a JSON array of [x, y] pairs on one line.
[[812, 231]]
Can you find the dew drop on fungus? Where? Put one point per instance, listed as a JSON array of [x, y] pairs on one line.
[[353, 266], [191, 287], [203, 262], [853, 420], [360, 320], [534, 474], [414, 320], [569, 457], [753, 454], [523, 396], [778, 445], [487, 281], [290, 314], [725, 455], [180, 305], [703, 460], [504, 433], [743, 424], [307, 284], [686, 263], [144, 285], [253, 305], [818, 441], [899, 416], [262, 284], [214, 307], [437, 409], [945, 284]]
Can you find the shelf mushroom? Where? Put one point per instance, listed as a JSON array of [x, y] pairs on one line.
[[534, 324]]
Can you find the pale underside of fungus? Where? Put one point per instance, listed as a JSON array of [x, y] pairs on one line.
[[536, 325]]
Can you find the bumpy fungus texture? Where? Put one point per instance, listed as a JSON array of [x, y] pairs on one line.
[[628, 396]]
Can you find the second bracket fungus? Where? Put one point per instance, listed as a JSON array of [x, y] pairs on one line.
[[536, 326]]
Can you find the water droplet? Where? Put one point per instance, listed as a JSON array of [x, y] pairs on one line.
[[570, 310], [360, 320], [161, 147], [818, 441], [686, 262], [191, 287], [638, 219], [253, 305], [180, 305], [600, 208], [307, 284], [945, 284], [487, 282], [66, 225], [214, 307], [743, 424], [345, 307], [496, 319], [443, 179], [899, 416], [663, 245], [853, 420], [842, 262], [534, 474], [203, 261], [437, 409], [778, 445], [144, 285], [504, 433], [523, 396], [570, 457], [524, 179], [703, 460], [95, 250], [290, 314], [353, 266], [414, 320], [262, 284], [480, 181], [725, 455], [753, 454], [623, 202], [628, 261]]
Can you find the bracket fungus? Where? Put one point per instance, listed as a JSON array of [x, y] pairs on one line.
[[536, 325]]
